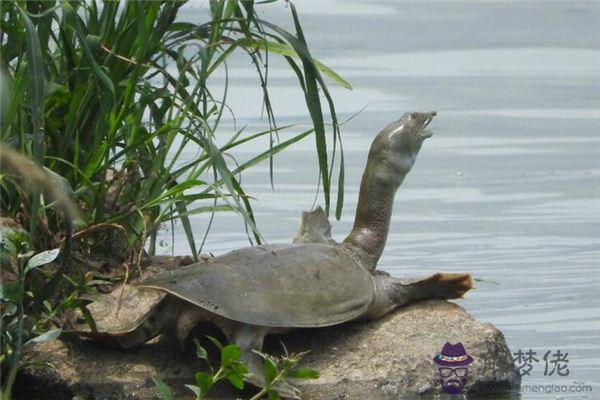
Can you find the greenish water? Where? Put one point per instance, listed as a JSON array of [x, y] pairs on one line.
[[508, 188]]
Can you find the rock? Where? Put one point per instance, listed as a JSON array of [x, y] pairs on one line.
[[376, 360], [391, 357], [383, 359]]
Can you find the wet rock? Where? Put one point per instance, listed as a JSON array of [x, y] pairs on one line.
[[382, 359]]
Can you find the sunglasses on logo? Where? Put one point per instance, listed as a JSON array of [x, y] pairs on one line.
[[447, 372]]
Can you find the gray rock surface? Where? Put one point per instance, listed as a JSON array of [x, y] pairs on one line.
[[382, 359], [393, 356]]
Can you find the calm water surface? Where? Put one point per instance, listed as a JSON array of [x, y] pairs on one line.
[[508, 188]]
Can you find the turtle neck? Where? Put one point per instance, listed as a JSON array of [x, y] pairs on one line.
[[379, 184]]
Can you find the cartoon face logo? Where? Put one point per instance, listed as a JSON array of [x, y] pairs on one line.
[[452, 367]]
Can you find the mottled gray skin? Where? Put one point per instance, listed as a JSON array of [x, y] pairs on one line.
[[314, 282], [392, 155]]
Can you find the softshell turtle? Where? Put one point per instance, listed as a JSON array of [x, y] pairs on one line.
[[314, 282]]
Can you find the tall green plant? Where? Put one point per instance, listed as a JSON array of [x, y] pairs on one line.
[[109, 95]]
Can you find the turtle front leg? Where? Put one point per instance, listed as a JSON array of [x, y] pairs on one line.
[[393, 292], [248, 338]]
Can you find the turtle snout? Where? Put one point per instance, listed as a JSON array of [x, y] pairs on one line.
[[428, 118]]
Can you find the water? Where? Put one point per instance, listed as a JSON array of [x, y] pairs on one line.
[[508, 188]]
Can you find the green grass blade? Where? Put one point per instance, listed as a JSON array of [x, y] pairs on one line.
[[87, 42], [36, 88], [183, 215], [313, 103], [271, 152], [288, 51]]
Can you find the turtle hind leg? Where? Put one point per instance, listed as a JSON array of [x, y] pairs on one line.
[[445, 286], [248, 338], [395, 292], [186, 319], [149, 326]]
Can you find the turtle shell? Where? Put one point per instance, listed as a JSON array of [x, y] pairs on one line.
[[292, 286]]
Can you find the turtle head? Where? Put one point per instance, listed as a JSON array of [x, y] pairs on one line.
[[399, 143]]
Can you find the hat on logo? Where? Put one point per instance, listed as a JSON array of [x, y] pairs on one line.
[[453, 355]]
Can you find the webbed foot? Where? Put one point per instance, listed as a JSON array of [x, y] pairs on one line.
[[446, 286], [256, 377], [250, 338]]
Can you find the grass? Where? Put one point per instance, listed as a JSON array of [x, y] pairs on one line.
[[275, 372], [92, 100], [104, 98]]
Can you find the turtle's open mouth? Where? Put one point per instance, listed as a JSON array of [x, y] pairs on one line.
[[424, 133]]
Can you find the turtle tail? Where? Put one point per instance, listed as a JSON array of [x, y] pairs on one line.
[[146, 328]]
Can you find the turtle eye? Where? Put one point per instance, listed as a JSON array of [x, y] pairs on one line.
[[460, 372], [445, 372]]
